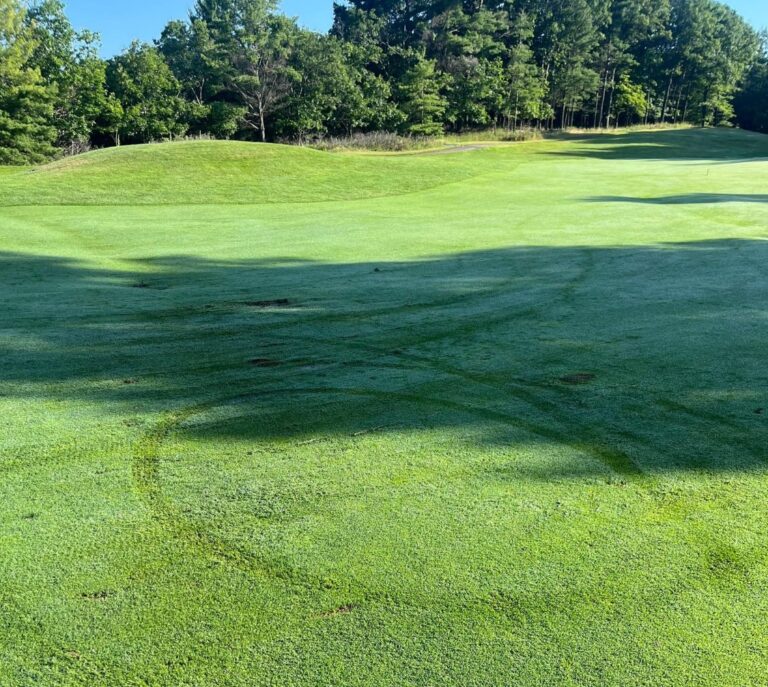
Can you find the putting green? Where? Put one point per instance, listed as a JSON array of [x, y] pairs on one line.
[[270, 416]]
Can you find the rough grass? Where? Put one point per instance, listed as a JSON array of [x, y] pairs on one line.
[[504, 424], [382, 141], [378, 141]]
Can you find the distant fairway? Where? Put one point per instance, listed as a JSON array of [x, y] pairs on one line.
[[272, 416]]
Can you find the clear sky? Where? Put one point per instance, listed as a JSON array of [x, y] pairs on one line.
[[121, 21]]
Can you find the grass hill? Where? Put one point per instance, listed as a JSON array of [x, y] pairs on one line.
[[271, 416], [221, 172], [225, 172]]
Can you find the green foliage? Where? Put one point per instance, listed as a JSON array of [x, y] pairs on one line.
[[240, 69], [191, 54], [26, 100], [68, 61], [630, 100], [150, 106], [251, 53], [419, 97], [752, 100], [224, 119], [526, 89], [324, 85]]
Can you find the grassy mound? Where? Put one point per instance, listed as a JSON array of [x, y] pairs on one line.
[[220, 172]]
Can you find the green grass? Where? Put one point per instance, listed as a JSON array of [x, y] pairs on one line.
[[194, 173], [510, 427]]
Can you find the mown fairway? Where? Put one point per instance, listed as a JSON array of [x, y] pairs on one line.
[[270, 416]]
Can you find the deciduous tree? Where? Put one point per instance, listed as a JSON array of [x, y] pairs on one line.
[[26, 100]]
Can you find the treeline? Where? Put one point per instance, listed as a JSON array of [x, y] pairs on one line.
[[752, 100], [240, 69]]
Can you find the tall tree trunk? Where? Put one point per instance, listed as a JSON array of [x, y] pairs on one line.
[[647, 106], [704, 109], [610, 101], [666, 99], [598, 99], [517, 110], [602, 99], [679, 97], [687, 101], [262, 124]]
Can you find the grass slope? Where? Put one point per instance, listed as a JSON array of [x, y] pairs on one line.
[[492, 418], [194, 173]]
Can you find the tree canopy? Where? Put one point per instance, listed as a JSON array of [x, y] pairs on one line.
[[752, 100], [241, 69], [26, 100]]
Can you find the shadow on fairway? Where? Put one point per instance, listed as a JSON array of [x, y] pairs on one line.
[[687, 199], [720, 145], [648, 358]]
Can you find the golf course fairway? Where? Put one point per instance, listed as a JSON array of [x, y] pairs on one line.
[[497, 418]]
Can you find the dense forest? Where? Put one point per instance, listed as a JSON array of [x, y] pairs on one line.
[[241, 69]]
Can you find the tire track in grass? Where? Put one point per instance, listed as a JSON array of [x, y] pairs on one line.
[[735, 437], [171, 314], [146, 476], [588, 440], [565, 294], [147, 472]]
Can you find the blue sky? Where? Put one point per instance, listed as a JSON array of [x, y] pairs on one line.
[[120, 21]]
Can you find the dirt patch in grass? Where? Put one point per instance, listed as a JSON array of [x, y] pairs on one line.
[[97, 596], [341, 610], [578, 378]]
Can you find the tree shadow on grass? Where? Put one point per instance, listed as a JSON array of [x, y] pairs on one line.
[[687, 199], [644, 358], [721, 145]]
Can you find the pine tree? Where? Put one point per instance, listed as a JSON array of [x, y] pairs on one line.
[[420, 98]]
